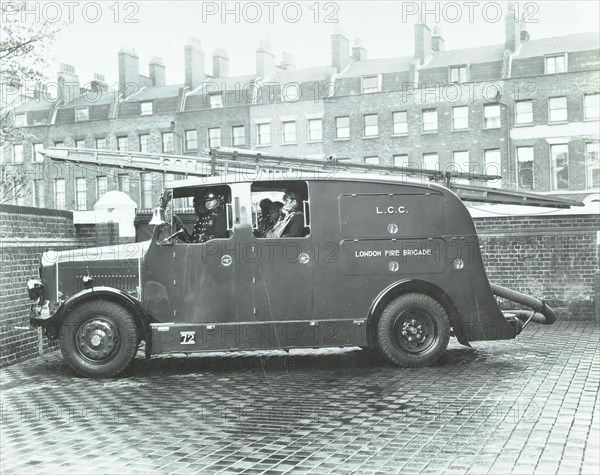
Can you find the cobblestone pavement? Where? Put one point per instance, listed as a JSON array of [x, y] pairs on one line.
[[522, 406]]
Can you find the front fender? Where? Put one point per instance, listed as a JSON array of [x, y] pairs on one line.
[[85, 295]]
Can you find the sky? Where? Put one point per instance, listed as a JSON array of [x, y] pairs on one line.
[[95, 31]]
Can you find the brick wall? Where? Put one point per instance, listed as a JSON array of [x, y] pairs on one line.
[[550, 257], [24, 234]]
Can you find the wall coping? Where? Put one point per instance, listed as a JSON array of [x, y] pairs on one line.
[[25, 210]]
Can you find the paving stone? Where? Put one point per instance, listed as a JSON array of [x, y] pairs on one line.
[[528, 405]]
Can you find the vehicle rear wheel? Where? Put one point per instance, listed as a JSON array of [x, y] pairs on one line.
[[413, 330], [99, 339]]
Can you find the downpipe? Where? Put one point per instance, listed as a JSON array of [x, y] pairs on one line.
[[542, 313]]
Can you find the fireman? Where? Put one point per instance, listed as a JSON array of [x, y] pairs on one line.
[[212, 220]]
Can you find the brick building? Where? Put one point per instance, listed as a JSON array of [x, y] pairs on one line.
[[527, 110]]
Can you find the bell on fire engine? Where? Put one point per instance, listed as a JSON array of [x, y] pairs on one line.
[[158, 216]]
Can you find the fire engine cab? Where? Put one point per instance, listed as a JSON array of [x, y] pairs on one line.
[[382, 263]]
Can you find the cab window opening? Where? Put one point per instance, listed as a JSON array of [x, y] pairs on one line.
[[280, 210]]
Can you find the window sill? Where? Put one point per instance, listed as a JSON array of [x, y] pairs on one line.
[[461, 130], [289, 143], [529, 124], [429, 132], [558, 122], [371, 137], [399, 135], [342, 140], [314, 141], [492, 128], [263, 145]]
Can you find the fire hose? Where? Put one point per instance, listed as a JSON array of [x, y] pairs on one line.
[[543, 314]]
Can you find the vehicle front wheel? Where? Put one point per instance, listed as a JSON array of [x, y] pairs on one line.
[[99, 339], [413, 330]]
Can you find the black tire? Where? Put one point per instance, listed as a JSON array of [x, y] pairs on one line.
[[413, 330], [98, 339]]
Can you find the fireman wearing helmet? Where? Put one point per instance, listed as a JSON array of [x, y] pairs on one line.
[[212, 221]]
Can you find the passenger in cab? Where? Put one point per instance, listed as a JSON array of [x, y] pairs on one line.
[[291, 220]]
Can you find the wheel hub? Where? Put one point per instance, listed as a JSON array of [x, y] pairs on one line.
[[413, 331], [97, 339]]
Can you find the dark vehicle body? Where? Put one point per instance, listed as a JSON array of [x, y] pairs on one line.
[[383, 264]]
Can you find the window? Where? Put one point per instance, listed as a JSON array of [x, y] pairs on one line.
[[216, 101], [101, 143], [191, 140], [102, 186], [460, 117], [557, 109], [370, 84], [146, 190], [491, 116], [592, 165], [401, 160], [524, 112], [342, 127], [591, 107], [37, 152], [18, 153], [80, 143], [82, 114], [556, 64], [80, 194], [214, 137], [59, 193], [371, 127], [461, 163], [315, 130], [289, 132], [38, 193], [167, 142], [146, 108], [264, 134], [122, 143], [372, 160], [238, 135], [20, 120], [493, 166], [430, 161], [123, 183], [143, 139], [430, 120], [559, 154], [525, 167], [400, 123], [293, 196], [290, 92], [458, 74]]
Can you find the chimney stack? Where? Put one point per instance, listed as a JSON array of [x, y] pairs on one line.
[[437, 42], [340, 54], [68, 83], [129, 70], [287, 61], [359, 53], [220, 63], [157, 71], [265, 60], [98, 84], [422, 42], [194, 63], [512, 29]]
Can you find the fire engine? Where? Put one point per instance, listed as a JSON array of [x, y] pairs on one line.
[[385, 262]]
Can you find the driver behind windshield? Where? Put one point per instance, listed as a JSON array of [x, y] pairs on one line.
[[212, 220]]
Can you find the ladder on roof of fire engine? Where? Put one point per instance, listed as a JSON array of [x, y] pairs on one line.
[[228, 160]]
